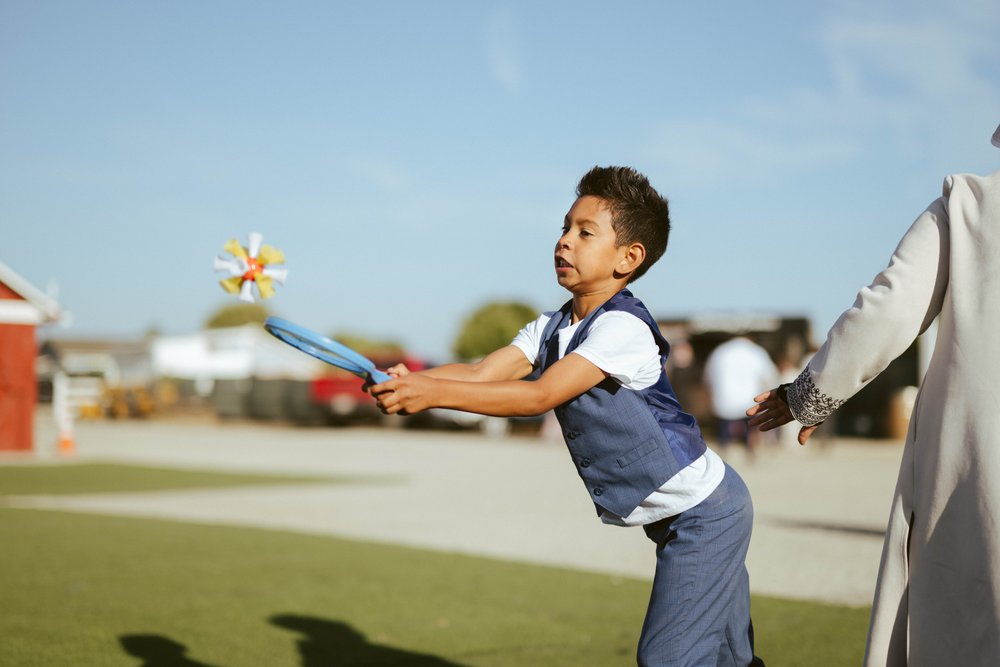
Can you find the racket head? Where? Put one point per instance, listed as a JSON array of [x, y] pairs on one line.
[[325, 349]]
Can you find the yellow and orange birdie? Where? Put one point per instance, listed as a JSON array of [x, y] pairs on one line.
[[251, 266]]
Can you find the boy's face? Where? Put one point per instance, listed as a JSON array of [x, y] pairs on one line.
[[587, 258]]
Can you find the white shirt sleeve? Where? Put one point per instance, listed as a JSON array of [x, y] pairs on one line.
[[618, 343], [529, 339], [621, 345]]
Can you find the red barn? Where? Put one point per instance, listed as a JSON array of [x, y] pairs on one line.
[[22, 308]]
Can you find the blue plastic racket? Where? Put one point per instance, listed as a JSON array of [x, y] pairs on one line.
[[325, 349]]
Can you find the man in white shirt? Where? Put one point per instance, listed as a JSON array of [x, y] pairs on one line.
[[735, 370]]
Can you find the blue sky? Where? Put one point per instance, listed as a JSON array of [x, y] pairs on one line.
[[415, 160]]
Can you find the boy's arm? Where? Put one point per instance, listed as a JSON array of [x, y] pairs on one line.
[[507, 363], [567, 378]]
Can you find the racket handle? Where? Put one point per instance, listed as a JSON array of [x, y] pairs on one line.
[[378, 377]]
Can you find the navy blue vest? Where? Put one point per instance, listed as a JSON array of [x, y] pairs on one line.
[[625, 444]]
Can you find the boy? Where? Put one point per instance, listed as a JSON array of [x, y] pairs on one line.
[[599, 364]]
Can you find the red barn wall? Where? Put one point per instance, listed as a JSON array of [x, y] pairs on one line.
[[17, 382]]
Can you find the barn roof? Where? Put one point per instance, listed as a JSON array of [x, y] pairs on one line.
[[34, 305]]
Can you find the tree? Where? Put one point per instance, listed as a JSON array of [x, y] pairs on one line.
[[490, 328], [237, 314]]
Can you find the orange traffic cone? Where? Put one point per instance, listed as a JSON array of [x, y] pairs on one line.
[[66, 445]]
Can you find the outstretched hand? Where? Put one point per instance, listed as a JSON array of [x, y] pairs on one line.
[[772, 411], [405, 394], [397, 371]]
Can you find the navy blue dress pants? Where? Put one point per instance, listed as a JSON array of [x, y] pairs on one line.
[[699, 610]]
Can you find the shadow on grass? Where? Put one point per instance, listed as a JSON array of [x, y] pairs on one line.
[[327, 643], [158, 651], [864, 531]]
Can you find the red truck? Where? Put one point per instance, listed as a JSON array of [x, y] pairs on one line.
[[336, 397]]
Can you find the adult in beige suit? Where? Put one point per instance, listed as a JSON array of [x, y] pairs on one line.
[[937, 599]]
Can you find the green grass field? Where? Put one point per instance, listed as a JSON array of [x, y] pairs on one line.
[[80, 589], [67, 479]]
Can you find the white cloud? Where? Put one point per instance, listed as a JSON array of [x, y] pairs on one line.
[[503, 49], [914, 82], [704, 153], [925, 57], [922, 80]]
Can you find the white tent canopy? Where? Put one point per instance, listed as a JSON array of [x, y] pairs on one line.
[[231, 353]]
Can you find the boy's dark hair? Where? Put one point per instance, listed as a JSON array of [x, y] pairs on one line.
[[638, 212]]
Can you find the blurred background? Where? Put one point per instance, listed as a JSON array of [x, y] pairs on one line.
[[414, 162]]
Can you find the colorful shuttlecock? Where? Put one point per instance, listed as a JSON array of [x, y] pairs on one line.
[[251, 266]]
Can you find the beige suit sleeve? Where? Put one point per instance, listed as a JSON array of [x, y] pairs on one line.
[[886, 318]]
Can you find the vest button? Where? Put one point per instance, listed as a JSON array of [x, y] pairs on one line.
[[585, 462], [572, 435], [599, 490]]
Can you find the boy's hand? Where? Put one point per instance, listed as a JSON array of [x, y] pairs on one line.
[[398, 371], [772, 411], [405, 395]]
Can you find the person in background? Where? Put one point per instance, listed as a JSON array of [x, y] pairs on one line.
[[735, 370]]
